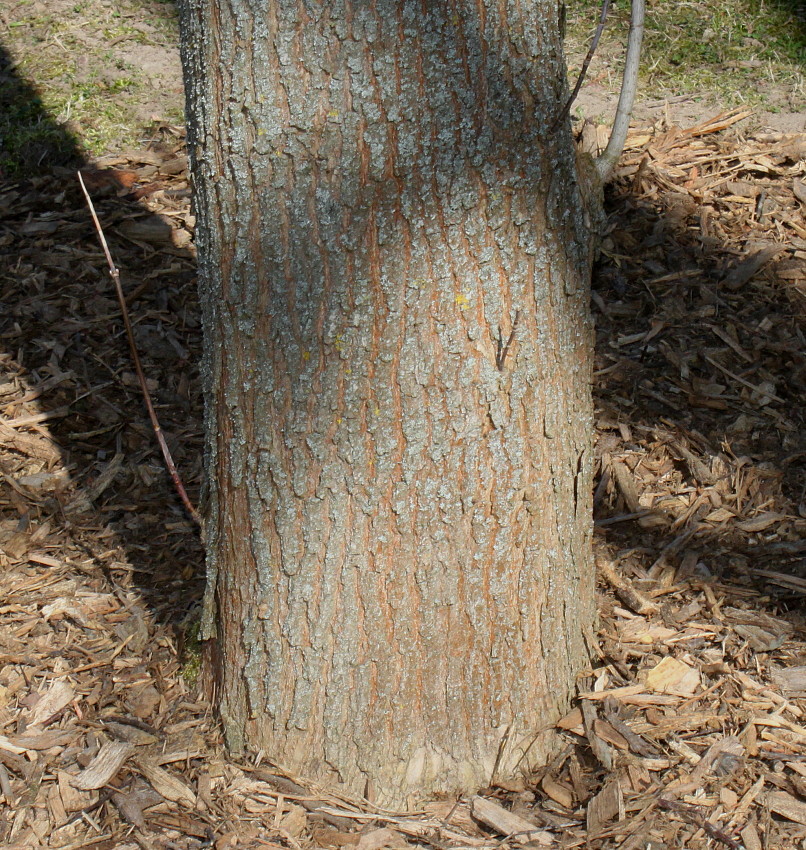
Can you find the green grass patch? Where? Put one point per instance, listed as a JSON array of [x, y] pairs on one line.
[[69, 82], [29, 138], [738, 51]]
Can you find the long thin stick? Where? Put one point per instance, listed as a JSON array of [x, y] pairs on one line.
[[580, 79], [152, 415]]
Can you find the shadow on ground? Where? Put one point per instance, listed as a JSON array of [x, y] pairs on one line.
[[64, 359], [30, 141], [701, 367]]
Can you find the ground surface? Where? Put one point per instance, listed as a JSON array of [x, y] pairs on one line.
[[105, 70], [691, 726]]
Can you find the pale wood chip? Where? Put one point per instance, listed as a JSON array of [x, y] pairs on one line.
[[44, 560], [748, 799], [627, 485], [777, 722], [166, 784], [609, 735], [785, 804], [64, 607], [683, 750], [759, 639], [763, 632], [572, 721], [624, 588], [10, 747], [295, 821], [618, 693], [45, 740], [506, 823], [600, 749], [760, 522], [73, 800], [750, 838], [607, 805], [29, 444], [791, 680], [672, 676], [104, 766], [558, 792], [384, 837], [327, 836], [60, 694], [640, 631], [722, 758], [58, 813]]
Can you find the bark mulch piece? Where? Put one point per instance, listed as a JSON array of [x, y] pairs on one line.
[[690, 726]]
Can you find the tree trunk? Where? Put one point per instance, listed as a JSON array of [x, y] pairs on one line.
[[394, 277]]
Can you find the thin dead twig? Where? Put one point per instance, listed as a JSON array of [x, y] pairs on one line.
[[581, 78], [141, 378]]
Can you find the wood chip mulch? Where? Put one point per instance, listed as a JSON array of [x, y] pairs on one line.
[[690, 727]]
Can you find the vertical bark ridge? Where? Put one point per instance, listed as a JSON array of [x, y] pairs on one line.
[[398, 523]]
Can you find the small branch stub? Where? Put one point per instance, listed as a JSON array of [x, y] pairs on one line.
[[503, 347]]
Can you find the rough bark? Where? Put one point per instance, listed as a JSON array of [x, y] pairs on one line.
[[394, 276]]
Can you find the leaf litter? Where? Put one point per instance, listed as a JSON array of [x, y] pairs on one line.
[[689, 729]]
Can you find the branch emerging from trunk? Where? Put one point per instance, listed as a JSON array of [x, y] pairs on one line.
[[618, 135]]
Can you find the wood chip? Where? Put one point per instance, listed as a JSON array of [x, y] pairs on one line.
[[375, 839], [59, 694], [28, 444], [110, 758], [508, 824], [723, 758], [750, 266], [598, 746], [558, 792], [632, 598], [672, 676], [170, 787], [606, 806], [785, 804], [791, 680]]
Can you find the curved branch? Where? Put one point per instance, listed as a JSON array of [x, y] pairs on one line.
[[618, 135]]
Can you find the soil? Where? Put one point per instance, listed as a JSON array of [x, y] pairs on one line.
[[597, 103]]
